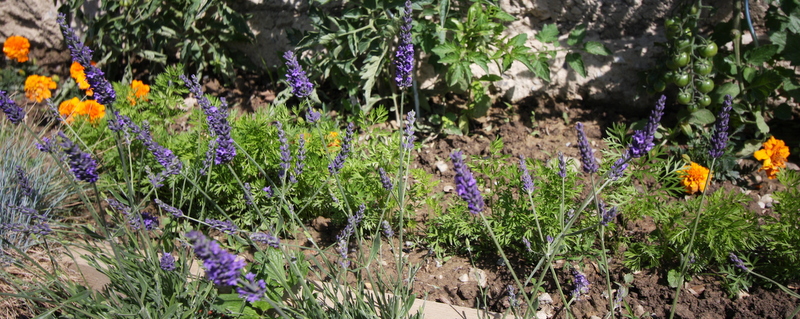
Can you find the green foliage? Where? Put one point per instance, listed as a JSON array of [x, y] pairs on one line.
[[784, 249], [195, 31]]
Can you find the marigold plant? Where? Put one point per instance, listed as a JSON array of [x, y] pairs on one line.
[[139, 91], [37, 87], [772, 156], [17, 47], [76, 72], [694, 177], [91, 108], [333, 139]]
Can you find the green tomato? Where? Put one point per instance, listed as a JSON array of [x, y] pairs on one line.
[[669, 22], [704, 100], [681, 59], [674, 31], [659, 86], [684, 97], [709, 50], [694, 10], [704, 85], [684, 45], [692, 108], [703, 67], [681, 79]]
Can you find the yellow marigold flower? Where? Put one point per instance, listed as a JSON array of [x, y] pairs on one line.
[[139, 91], [17, 47], [76, 71], [68, 108], [94, 110], [694, 178], [38, 87], [772, 156]]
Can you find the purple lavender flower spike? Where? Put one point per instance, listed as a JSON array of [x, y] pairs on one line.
[[267, 239], [248, 194], [642, 141], [268, 191], [167, 262], [217, 119], [24, 182], [344, 236], [466, 185], [738, 262], [404, 57], [103, 91], [338, 162], [250, 289], [512, 296], [47, 146], [312, 116], [527, 244], [177, 213], [224, 226], [222, 267], [301, 86], [385, 180], [720, 138], [618, 169], [581, 284], [80, 163], [527, 181], [149, 221], [587, 154], [14, 113], [607, 214]]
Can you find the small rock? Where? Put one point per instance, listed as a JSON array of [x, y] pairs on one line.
[[638, 310], [545, 298], [442, 166], [463, 278], [189, 103], [479, 275], [541, 315], [766, 201], [368, 285], [448, 188], [742, 294], [594, 317]]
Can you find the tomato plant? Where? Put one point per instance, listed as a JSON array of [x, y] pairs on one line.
[[709, 50], [702, 67], [685, 97], [681, 79], [704, 85]]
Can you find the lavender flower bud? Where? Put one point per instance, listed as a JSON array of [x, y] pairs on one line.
[[385, 180], [312, 116], [642, 141], [251, 290], [618, 169], [14, 113], [301, 86], [167, 262], [466, 185], [408, 139], [344, 236], [150, 221], [387, 229], [267, 239], [512, 297], [720, 138], [562, 165], [286, 156], [587, 154], [606, 214], [248, 195], [24, 182], [344, 152], [581, 284], [48, 145], [223, 226], [268, 191], [527, 181], [81, 164], [737, 261], [527, 244], [222, 267], [177, 213], [404, 57], [299, 163]]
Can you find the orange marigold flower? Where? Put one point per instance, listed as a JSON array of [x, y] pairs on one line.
[[694, 178], [68, 108], [140, 90], [38, 87], [94, 110], [17, 47], [76, 72], [334, 141], [772, 156]]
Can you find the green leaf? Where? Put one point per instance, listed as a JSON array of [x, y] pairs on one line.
[[575, 61], [792, 50], [673, 278], [748, 74], [443, 50], [596, 48], [490, 78], [577, 35], [765, 84], [701, 117], [760, 123], [783, 112], [450, 58], [519, 40], [539, 68], [759, 55], [481, 60], [549, 33], [749, 147], [730, 88]]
